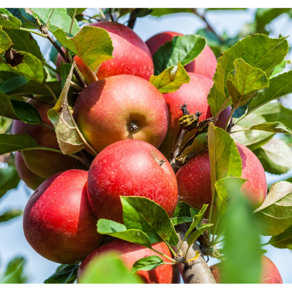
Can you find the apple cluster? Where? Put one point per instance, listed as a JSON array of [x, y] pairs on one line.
[[132, 127]]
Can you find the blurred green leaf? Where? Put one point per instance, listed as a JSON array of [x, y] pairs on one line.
[[242, 242], [140, 12], [279, 86], [164, 11], [118, 230], [244, 82], [65, 71], [107, 268], [8, 215], [143, 214], [5, 41], [171, 79], [92, 44], [70, 11], [24, 15], [183, 49], [8, 21], [12, 83], [5, 11], [283, 240], [275, 214], [258, 51], [147, 264], [8, 179], [68, 136], [64, 274], [14, 273], [274, 127], [59, 19]]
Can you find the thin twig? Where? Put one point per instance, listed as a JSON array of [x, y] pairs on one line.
[[110, 14], [132, 20], [53, 9]]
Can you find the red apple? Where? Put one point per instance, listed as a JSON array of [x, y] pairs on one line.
[[58, 222], [204, 64], [121, 107], [194, 180], [44, 163], [131, 54], [195, 95], [270, 273], [31, 179], [130, 168], [129, 254]]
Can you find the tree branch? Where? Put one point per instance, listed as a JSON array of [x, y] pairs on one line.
[[132, 21], [197, 271]]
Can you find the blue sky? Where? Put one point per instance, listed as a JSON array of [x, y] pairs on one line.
[[12, 241]]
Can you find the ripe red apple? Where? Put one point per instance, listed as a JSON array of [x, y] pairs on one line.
[[204, 64], [131, 55], [130, 168], [121, 107], [129, 254], [31, 179], [195, 95], [57, 220], [44, 163], [194, 180], [270, 273]]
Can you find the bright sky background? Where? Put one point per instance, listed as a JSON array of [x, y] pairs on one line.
[[12, 241]]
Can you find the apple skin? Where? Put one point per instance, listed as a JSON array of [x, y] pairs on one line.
[[195, 95], [105, 110], [31, 179], [194, 180], [129, 254], [270, 273], [131, 55], [204, 64], [129, 168], [57, 220], [41, 162]]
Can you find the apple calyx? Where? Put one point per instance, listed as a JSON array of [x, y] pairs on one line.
[[133, 127]]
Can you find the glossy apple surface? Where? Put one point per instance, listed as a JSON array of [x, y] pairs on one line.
[[204, 64], [269, 275], [130, 168], [31, 179], [58, 222], [41, 162], [119, 108], [129, 254], [194, 180]]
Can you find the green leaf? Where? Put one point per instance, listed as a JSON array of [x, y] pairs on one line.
[[8, 21], [10, 143], [26, 65], [70, 11], [252, 139], [171, 79], [195, 235], [283, 240], [92, 44], [242, 243], [274, 127], [147, 264], [24, 14], [140, 12], [18, 110], [279, 86], [163, 11], [64, 274], [108, 268], [224, 156], [275, 214], [120, 231], [258, 51], [274, 111], [143, 214], [5, 11], [68, 136], [182, 213], [59, 19], [8, 215], [65, 71], [8, 179], [14, 272], [5, 41], [244, 82], [275, 156], [183, 49], [13, 83], [24, 41], [280, 68], [224, 188]]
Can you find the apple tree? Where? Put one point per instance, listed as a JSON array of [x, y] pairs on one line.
[[146, 158]]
